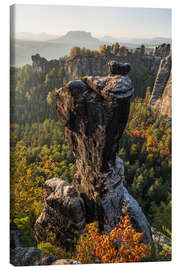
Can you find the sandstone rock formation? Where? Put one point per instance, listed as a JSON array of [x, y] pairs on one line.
[[79, 66], [30, 256], [117, 68], [166, 103], [161, 94], [65, 261], [41, 64], [140, 51], [94, 111], [162, 50], [16, 236], [64, 212]]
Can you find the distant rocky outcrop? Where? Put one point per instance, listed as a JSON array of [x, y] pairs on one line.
[[161, 94], [94, 111], [81, 65], [84, 65], [41, 64], [162, 50], [140, 51]]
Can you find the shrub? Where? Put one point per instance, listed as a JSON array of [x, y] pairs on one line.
[[25, 225], [123, 244], [58, 252], [161, 217]]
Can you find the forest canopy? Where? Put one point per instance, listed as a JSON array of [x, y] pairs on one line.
[[39, 151]]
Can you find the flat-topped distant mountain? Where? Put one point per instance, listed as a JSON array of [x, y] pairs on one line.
[[22, 49], [77, 37]]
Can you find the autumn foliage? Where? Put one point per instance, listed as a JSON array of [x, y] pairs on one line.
[[123, 244]]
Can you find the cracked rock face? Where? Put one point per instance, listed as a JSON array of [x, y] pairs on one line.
[[118, 202], [112, 88], [94, 111], [162, 90], [63, 214]]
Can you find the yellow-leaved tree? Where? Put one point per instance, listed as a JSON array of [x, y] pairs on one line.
[[123, 244]]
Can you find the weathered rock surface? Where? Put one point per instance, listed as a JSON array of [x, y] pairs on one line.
[[94, 111], [94, 114], [116, 202], [16, 236], [140, 51], [65, 261], [166, 102], [30, 256], [80, 66], [41, 64], [160, 239], [161, 94], [111, 88], [162, 50], [76, 67], [119, 68], [64, 213]]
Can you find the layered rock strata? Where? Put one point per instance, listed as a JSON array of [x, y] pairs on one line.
[[94, 111]]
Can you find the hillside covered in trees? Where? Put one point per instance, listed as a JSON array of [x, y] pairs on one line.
[[39, 151]]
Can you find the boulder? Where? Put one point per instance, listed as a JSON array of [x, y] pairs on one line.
[[65, 261], [112, 88], [30, 256], [63, 214], [16, 236]]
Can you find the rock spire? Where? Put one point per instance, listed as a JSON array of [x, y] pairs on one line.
[[94, 111]]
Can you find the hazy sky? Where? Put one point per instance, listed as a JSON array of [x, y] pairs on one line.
[[100, 21]]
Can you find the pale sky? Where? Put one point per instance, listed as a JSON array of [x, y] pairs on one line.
[[100, 21]]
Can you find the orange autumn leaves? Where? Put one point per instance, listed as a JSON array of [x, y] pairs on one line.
[[123, 244]]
